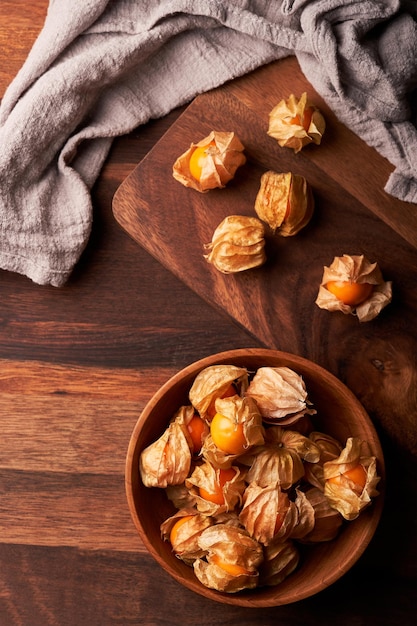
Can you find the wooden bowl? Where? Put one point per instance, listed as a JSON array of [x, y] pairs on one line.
[[339, 414]]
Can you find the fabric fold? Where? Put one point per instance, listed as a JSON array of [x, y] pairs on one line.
[[100, 69]]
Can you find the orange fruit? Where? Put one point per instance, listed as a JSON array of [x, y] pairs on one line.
[[198, 430], [304, 120], [348, 292], [217, 497], [173, 535], [227, 435], [357, 475], [230, 391], [231, 568], [197, 158]]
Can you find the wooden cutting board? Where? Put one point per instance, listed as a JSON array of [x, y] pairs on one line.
[[353, 215]]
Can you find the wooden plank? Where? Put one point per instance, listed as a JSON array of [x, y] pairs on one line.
[[62, 586], [73, 509], [81, 418]]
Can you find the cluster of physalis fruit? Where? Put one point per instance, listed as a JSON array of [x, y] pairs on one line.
[[284, 204], [251, 478]]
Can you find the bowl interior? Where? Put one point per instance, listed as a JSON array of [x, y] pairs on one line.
[[339, 414]]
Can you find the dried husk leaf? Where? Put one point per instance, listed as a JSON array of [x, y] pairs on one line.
[[217, 458], [239, 411], [273, 463], [330, 449], [294, 519], [264, 510], [212, 382], [355, 269], [228, 518], [237, 244], [180, 496], [224, 158], [303, 446], [280, 560], [327, 521], [215, 577], [295, 123], [183, 417], [280, 394], [303, 425], [233, 546], [285, 202], [167, 461], [304, 516], [207, 477], [344, 496], [186, 545]]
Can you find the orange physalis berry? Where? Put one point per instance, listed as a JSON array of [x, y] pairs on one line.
[[231, 568], [198, 430], [225, 476], [173, 536], [228, 435], [303, 120], [357, 475], [349, 292], [230, 391], [197, 159]]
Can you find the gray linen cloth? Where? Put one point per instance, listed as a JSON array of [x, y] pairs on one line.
[[101, 68]]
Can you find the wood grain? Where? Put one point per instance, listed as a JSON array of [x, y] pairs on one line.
[[15, 19], [83, 360]]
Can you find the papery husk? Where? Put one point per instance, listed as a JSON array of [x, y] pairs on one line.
[[296, 135], [228, 518], [231, 545], [225, 156], [280, 460], [280, 394], [262, 506], [327, 521], [212, 382], [280, 560], [183, 417], [167, 461], [304, 425], [217, 458], [304, 516], [180, 496], [355, 269], [215, 577], [285, 202], [237, 244], [239, 411], [206, 476], [330, 449], [297, 521], [303, 446], [344, 497], [186, 545], [274, 464]]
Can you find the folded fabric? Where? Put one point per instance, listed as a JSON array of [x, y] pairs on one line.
[[99, 69]]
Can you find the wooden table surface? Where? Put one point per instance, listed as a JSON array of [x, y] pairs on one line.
[[77, 366]]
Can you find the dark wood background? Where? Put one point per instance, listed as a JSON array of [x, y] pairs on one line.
[[77, 365]]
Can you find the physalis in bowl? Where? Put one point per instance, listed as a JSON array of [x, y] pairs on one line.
[[258, 481]]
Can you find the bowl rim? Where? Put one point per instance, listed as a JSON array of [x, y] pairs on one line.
[[250, 599]]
